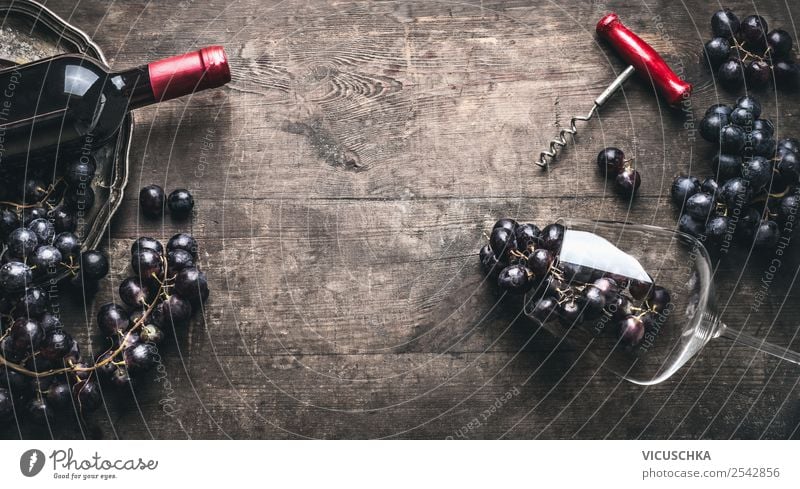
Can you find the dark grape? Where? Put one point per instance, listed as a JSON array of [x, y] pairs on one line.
[[684, 187], [94, 265], [765, 126], [514, 279], [183, 241], [9, 221], [46, 259], [34, 191], [761, 144], [503, 243], [570, 313], [751, 104], [26, 335], [726, 166], [721, 109], [33, 303], [610, 162], [747, 225], [141, 357], [55, 345], [690, 225], [710, 186], [112, 319], [147, 243], [594, 301], [757, 73], [146, 264], [742, 117], [43, 229], [22, 242], [504, 223], [717, 228], [180, 203], [735, 191], [176, 311], [700, 206], [552, 235], [787, 74], [68, 244], [631, 331], [717, 50], [87, 395], [59, 395], [780, 42], [192, 284], [63, 220], [540, 261], [753, 29], [544, 309], [39, 412], [767, 235], [712, 124], [14, 276], [80, 172], [491, 265], [724, 23], [789, 144], [152, 334], [659, 298], [731, 73], [789, 167], [527, 236], [758, 171], [134, 293], [151, 201], [732, 139], [628, 182]]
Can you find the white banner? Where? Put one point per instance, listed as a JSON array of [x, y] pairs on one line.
[[400, 464]]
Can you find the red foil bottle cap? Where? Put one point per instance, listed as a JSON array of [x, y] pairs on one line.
[[187, 73]]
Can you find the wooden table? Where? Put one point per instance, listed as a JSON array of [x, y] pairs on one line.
[[344, 180]]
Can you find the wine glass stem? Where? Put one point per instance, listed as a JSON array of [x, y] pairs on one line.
[[760, 345]]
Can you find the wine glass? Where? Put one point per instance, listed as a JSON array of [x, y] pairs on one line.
[[647, 255]]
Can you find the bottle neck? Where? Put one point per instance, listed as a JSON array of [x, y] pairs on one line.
[[174, 77]]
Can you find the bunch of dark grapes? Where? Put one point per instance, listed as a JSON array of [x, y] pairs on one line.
[[612, 164], [753, 195], [525, 259], [42, 371], [747, 51]]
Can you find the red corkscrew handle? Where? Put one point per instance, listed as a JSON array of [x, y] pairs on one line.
[[644, 59]]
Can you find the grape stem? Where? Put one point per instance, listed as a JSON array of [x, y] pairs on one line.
[[110, 358]]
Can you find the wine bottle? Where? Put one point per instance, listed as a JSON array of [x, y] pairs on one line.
[[72, 103]]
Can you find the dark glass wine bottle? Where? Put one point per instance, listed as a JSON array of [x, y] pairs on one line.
[[70, 103]]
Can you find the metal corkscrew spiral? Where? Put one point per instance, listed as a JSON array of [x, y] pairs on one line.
[[642, 58]]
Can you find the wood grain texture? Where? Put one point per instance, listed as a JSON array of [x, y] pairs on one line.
[[344, 180]]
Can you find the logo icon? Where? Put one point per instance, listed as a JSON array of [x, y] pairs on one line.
[[31, 462]]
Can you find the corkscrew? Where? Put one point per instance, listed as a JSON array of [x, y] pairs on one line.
[[643, 59]]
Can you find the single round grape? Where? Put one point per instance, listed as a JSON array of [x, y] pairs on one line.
[[710, 186], [552, 235], [721, 109], [50, 322], [175, 311], [594, 301], [80, 172], [631, 331], [747, 224], [55, 345], [780, 42], [735, 192], [754, 29], [717, 51], [758, 172], [134, 292], [700, 206], [80, 199], [34, 191], [765, 126], [628, 182], [757, 73], [717, 228], [724, 23], [790, 144], [46, 259], [63, 220], [183, 241], [767, 235], [147, 243], [180, 203], [607, 286], [610, 161], [788, 207], [94, 265], [751, 104], [112, 319], [712, 124], [689, 225], [32, 213], [505, 223], [659, 298], [732, 139], [26, 334], [14, 276], [731, 73], [43, 229], [787, 74], [192, 284], [570, 313], [491, 265], [87, 395], [68, 244], [74, 354], [540, 261], [105, 368], [742, 117], [22, 242], [761, 144], [9, 221], [59, 395], [789, 167], [684, 187], [33, 303], [141, 357], [726, 166], [527, 236], [151, 201], [544, 309], [146, 264], [514, 278], [503, 242], [120, 378]]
